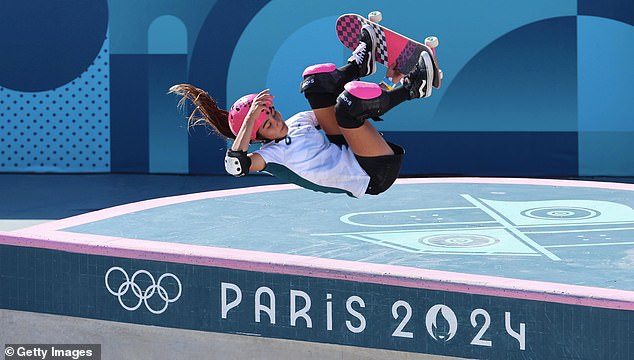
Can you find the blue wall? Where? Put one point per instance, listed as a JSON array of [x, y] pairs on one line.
[[341, 312], [538, 88]]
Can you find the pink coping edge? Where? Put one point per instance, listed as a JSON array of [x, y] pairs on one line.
[[145, 205], [50, 238], [520, 181]]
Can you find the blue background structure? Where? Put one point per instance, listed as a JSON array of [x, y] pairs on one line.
[[535, 88]]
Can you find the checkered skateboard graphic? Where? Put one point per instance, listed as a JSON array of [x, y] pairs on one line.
[[349, 28], [408, 58]]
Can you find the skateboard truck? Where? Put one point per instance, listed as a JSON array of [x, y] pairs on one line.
[[375, 16], [386, 83], [432, 42]]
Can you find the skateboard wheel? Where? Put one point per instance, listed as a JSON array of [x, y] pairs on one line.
[[375, 16], [431, 41]]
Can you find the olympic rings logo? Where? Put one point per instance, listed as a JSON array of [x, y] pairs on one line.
[[143, 296]]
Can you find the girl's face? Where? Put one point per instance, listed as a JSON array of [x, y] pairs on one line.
[[274, 127]]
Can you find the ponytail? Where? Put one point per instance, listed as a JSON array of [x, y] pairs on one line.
[[206, 111]]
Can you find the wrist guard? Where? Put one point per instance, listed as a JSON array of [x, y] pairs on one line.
[[237, 163]]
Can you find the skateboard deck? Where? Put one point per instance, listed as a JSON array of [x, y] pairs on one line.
[[392, 47]]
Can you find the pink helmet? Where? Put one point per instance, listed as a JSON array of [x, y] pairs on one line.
[[238, 113]]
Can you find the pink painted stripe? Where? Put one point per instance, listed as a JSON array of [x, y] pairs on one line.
[[328, 268], [519, 181]]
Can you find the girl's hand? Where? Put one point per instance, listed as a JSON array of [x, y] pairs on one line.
[[261, 102], [393, 74]]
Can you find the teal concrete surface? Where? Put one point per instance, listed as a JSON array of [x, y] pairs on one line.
[[579, 236]]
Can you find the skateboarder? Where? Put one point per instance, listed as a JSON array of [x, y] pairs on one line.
[[355, 159]]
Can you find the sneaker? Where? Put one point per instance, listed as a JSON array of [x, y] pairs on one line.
[[419, 81], [365, 53]]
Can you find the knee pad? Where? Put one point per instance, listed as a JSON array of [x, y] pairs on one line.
[[321, 85], [319, 69], [359, 101], [321, 78]]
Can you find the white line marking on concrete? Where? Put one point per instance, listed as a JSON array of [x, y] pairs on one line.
[[510, 227], [577, 230], [473, 228], [595, 244]]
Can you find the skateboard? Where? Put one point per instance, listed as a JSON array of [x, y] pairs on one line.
[[392, 47]]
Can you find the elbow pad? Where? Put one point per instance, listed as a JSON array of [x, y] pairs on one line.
[[237, 163]]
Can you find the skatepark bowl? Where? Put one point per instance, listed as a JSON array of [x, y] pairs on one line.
[[438, 268]]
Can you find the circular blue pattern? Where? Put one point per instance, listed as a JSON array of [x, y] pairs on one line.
[[46, 44], [458, 240], [561, 213]]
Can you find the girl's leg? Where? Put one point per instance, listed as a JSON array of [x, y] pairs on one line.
[[324, 82], [321, 85], [358, 102], [327, 120], [364, 140], [361, 100]]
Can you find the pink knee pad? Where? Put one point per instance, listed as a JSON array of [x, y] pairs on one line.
[[363, 90], [319, 68]]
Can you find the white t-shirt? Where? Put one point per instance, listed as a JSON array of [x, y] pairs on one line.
[[308, 159]]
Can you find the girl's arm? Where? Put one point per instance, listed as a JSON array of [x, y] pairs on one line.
[[243, 138], [257, 162]]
